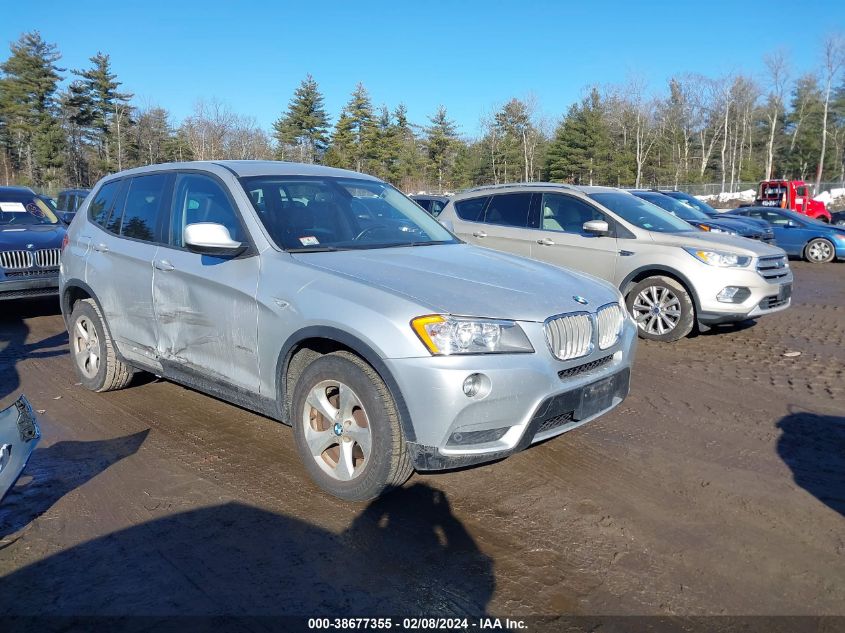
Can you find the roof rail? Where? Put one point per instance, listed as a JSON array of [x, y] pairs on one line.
[[557, 185]]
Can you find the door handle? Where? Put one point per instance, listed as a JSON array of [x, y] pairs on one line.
[[479, 234], [546, 241], [101, 247], [163, 265]]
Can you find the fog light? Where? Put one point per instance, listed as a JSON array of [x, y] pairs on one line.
[[733, 294], [472, 385]]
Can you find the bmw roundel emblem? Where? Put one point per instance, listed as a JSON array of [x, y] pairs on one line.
[[580, 299], [30, 246]]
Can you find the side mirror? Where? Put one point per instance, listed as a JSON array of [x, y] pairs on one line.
[[209, 238], [448, 224], [599, 227], [791, 224]]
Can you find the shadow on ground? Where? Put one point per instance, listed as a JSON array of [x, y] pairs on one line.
[[813, 446], [56, 470], [405, 553], [13, 334]]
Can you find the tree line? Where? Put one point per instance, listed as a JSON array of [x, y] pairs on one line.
[[61, 127]]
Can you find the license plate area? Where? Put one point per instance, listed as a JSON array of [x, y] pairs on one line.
[[596, 397]]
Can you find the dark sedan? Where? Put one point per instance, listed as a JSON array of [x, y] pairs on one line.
[[699, 219], [691, 201], [800, 235], [31, 237]]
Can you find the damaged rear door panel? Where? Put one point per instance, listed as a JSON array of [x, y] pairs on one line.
[[205, 308], [19, 434]]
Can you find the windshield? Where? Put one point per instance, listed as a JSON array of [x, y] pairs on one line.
[[641, 213], [675, 207], [324, 214], [692, 201], [24, 209]]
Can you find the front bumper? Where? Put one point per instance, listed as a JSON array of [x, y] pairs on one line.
[[766, 296], [40, 286], [19, 434], [532, 397]]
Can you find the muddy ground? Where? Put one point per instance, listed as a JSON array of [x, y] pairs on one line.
[[718, 487]]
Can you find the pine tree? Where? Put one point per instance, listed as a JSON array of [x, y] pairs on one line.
[[441, 142], [803, 125], [304, 125], [352, 144], [581, 149], [110, 112], [29, 132]]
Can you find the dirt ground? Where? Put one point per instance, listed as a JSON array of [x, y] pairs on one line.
[[717, 487]]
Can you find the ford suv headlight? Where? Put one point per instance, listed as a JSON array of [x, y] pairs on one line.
[[721, 259], [444, 335]]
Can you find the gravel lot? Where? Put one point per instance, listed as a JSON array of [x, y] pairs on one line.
[[718, 487]]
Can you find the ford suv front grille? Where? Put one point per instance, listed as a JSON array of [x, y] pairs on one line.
[[774, 267], [24, 260]]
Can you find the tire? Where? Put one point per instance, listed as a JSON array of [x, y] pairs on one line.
[[819, 251], [360, 453], [92, 350], [675, 315]]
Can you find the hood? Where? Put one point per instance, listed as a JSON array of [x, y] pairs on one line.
[[467, 280], [18, 238], [717, 241]]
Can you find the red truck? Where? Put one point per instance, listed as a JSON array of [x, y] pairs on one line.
[[795, 195]]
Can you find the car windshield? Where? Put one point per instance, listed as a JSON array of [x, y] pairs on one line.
[[24, 210], [641, 213], [325, 213], [692, 201], [675, 207]]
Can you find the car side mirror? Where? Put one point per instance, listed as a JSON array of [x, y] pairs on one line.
[[209, 238], [791, 224], [598, 227]]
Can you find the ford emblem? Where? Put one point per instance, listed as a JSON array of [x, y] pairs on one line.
[[580, 299]]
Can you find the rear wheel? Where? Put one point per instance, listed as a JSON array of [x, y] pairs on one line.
[[92, 350], [347, 428], [662, 309], [819, 251]]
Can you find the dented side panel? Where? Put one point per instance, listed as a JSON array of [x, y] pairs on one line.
[[206, 315]]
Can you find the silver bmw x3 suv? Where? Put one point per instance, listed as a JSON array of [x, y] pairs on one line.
[[328, 300], [672, 274]]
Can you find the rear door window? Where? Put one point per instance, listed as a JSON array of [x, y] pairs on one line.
[[471, 210], [102, 203], [142, 213], [509, 209]]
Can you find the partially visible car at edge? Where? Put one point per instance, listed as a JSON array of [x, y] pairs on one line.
[[31, 237], [838, 218], [69, 200], [433, 204], [671, 274], [801, 236], [695, 203]]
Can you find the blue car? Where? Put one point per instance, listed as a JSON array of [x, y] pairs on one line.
[[691, 201], [700, 220], [31, 238], [801, 236]]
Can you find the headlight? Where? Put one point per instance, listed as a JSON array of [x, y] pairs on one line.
[[721, 259], [444, 335], [840, 237]]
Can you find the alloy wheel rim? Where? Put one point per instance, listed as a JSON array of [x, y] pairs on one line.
[[819, 251], [657, 310], [337, 430], [86, 347]]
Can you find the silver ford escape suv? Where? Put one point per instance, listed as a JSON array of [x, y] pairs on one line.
[[328, 300], [671, 274]]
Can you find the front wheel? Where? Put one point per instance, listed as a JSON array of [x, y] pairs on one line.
[[819, 251], [662, 309], [347, 430], [94, 357]]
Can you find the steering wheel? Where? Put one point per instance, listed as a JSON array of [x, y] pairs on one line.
[[367, 230]]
